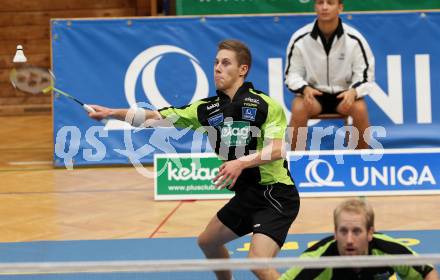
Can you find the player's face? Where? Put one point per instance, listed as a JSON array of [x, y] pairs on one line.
[[328, 10], [227, 71], [352, 235]]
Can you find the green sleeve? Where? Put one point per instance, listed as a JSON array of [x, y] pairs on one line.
[[405, 272], [294, 272], [275, 125], [315, 251], [183, 117], [291, 273]]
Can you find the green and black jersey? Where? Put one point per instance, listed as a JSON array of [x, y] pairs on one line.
[[380, 245], [238, 127]]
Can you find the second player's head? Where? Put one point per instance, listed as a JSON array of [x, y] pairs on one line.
[[354, 226]]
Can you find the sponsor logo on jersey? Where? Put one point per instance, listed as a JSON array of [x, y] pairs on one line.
[[213, 112], [250, 104], [212, 106], [216, 120], [235, 133], [248, 113], [252, 100]]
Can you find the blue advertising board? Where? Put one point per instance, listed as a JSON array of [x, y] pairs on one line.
[[159, 62], [362, 172]]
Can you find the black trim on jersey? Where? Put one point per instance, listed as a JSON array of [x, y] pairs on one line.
[[201, 110], [165, 108], [286, 165], [310, 273], [390, 247], [249, 175], [332, 250], [210, 99], [244, 88], [364, 54], [212, 113], [288, 62], [206, 99], [385, 246], [394, 248], [320, 243]]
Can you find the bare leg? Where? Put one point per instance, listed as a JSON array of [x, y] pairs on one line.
[[212, 242], [262, 246], [359, 113], [301, 113]]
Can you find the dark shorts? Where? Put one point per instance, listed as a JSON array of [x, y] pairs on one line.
[[329, 102], [269, 210]]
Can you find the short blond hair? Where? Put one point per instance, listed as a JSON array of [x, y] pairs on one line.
[[357, 206], [241, 51]]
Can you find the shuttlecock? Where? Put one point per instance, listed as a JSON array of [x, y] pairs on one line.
[[19, 55]]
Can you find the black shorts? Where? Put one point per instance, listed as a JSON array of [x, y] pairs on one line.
[[328, 102], [269, 210]]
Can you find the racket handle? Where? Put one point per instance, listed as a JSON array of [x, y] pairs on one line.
[[91, 110], [88, 108]]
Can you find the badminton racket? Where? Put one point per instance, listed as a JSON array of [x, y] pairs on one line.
[[37, 80]]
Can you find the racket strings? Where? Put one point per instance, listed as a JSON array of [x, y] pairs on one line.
[[32, 79], [35, 80]]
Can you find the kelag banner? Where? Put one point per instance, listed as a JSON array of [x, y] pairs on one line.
[[169, 61], [187, 176]]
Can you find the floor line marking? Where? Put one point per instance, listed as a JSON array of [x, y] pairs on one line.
[[166, 219]]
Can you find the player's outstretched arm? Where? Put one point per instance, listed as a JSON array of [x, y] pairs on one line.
[[134, 116]]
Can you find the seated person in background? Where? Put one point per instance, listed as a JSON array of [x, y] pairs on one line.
[[330, 68], [354, 236]]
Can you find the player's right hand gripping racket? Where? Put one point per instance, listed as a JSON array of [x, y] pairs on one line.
[[37, 80]]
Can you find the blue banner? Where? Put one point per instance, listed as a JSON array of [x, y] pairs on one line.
[[379, 172], [169, 61]]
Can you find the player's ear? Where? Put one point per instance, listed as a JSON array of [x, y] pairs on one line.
[[341, 7], [370, 233], [243, 69]]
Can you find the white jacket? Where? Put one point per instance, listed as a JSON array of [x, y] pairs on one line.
[[349, 64]]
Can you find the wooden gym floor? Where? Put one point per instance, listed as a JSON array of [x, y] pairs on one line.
[[38, 202]]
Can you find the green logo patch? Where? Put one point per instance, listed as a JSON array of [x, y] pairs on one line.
[[235, 133]]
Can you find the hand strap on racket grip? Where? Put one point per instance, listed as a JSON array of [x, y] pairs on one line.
[[91, 110]]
